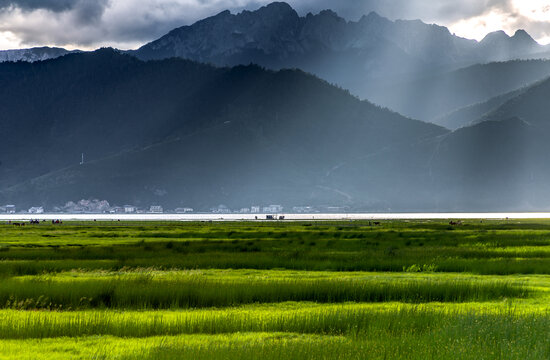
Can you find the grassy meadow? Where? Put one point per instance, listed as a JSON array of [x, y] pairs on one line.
[[275, 290]]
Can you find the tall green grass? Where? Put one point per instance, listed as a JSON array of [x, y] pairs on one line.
[[144, 292], [481, 248], [441, 343], [123, 311], [352, 320]]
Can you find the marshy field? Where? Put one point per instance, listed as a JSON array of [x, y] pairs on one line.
[[275, 290]]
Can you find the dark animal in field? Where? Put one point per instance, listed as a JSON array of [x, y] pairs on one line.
[[377, 223], [455, 223]]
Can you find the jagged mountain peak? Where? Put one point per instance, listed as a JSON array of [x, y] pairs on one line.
[[372, 15], [499, 46], [523, 36], [329, 13], [222, 14], [274, 11], [374, 21], [278, 6], [495, 36]]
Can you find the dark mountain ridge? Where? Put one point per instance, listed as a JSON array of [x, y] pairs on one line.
[[181, 133], [419, 70]]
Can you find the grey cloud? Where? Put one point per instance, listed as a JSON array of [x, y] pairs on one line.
[[53, 5], [86, 11], [90, 11]]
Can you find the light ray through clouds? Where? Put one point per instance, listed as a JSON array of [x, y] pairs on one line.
[[125, 24]]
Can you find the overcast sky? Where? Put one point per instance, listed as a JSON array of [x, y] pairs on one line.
[[88, 24]]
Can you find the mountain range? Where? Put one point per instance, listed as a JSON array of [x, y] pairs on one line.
[[178, 132], [366, 56], [187, 120], [276, 36], [422, 71]]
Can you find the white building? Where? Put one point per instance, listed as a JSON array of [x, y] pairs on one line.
[[222, 209], [255, 209], [10, 209], [184, 210], [273, 209], [129, 209], [156, 209], [303, 209], [36, 210]]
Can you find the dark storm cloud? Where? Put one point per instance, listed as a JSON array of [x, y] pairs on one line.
[[88, 11], [85, 10], [54, 5]]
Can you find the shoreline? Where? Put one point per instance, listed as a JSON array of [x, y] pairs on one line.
[[287, 217]]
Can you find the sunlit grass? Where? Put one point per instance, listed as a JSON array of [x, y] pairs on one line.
[[348, 319], [444, 343], [275, 290], [193, 290]]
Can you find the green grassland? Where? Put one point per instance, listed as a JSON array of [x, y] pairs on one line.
[[275, 290]]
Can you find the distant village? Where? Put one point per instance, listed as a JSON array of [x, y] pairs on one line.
[[103, 207]]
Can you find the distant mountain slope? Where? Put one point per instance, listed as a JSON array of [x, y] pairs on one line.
[[434, 96], [499, 163], [177, 132], [492, 165], [33, 54], [531, 105], [468, 115], [502, 159], [359, 56]]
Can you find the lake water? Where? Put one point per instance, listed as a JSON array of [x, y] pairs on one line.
[[237, 217]]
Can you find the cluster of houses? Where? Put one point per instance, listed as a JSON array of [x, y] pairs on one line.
[[103, 207], [92, 207], [271, 209], [278, 209], [131, 209], [7, 209]]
